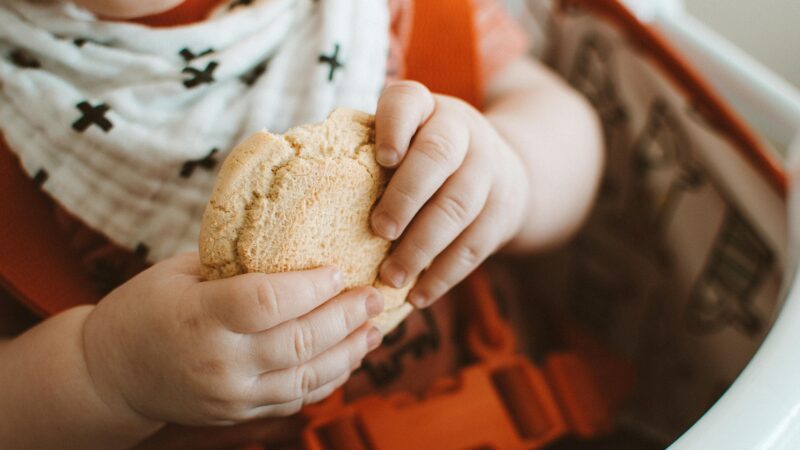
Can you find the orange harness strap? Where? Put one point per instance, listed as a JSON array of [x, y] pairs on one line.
[[501, 400], [443, 51]]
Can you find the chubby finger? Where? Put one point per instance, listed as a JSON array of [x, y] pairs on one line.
[[184, 263], [293, 407], [296, 383], [463, 256], [298, 341], [256, 302], [439, 223], [402, 107], [437, 151]]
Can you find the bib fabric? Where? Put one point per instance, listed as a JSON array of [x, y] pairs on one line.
[[128, 124]]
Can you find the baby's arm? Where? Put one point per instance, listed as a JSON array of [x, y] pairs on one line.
[[168, 347], [48, 399], [558, 138]]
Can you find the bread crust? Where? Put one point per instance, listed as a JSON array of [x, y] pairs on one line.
[[302, 200]]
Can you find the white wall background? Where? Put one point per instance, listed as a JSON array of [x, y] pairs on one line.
[[767, 29]]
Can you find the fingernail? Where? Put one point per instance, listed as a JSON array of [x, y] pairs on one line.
[[418, 300], [374, 338], [337, 278], [387, 156], [385, 226], [374, 303], [394, 274]]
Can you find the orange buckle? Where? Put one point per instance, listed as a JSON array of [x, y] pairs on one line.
[[588, 382], [584, 406], [488, 335], [501, 402], [507, 405]]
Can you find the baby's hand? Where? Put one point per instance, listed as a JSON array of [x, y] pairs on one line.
[[458, 193], [177, 349]]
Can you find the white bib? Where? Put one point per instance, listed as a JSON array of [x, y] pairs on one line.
[[125, 125]]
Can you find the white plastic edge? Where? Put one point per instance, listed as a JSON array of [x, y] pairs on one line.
[[765, 100], [761, 410]]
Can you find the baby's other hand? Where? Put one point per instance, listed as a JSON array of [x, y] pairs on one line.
[[174, 348], [458, 194]]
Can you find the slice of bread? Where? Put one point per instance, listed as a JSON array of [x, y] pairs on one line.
[[302, 200]]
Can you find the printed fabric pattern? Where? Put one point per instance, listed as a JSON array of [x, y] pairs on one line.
[[127, 124]]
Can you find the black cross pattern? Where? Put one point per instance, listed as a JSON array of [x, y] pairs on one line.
[[332, 61], [255, 73], [736, 268], [385, 372], [40, 177], [92, 115], [80, 42], [141, 251], [188, 55], [663, 144], [200, 76], [208, 162], [23, 59], [237, 3]]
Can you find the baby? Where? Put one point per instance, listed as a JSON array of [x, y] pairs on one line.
[[168, 347]]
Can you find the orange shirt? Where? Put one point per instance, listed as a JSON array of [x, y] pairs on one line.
[[500, 40]]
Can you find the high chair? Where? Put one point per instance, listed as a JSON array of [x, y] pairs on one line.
[[694, 205], [684, 271]]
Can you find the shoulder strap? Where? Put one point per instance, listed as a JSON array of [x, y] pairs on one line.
[[36, 265], [443, 52]]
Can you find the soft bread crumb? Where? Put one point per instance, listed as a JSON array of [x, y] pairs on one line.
[[302, 200]]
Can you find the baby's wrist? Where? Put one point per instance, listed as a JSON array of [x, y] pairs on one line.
[[520, 190], [49, 396], [105, 391]]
